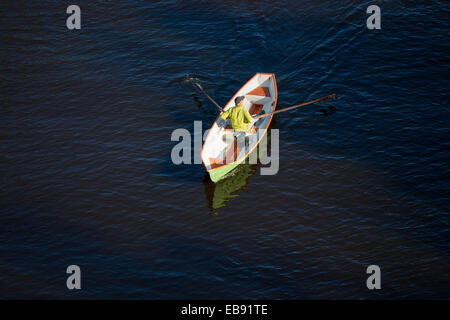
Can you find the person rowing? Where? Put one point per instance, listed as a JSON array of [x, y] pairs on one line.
[[239, 116]]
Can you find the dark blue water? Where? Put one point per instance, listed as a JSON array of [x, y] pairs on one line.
[[86, 176]]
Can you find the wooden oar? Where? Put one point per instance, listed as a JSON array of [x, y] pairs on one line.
[[215, 103], [331, 96]]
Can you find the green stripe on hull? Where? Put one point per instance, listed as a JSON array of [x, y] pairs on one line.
[[219, 173]]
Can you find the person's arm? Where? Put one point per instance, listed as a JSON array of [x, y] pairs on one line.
[[247, 115], [249, 119], [225, 114]]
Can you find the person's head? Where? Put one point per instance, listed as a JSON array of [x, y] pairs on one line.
[[239, 100]]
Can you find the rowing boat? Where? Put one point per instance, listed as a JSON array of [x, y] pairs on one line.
[[220, 155]]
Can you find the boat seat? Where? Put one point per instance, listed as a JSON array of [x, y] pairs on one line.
[[260, 91], [215, 162], [253, 129]]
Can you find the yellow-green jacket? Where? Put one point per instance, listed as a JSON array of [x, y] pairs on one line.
[[240, 117]]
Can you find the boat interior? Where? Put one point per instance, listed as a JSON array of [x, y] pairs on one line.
[[224, 145]]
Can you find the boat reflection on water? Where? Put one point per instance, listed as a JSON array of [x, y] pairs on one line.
[[220, 193]]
